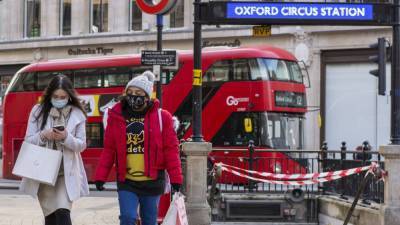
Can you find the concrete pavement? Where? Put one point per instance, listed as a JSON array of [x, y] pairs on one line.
[[24, 210], [18, 209], [100, 208]]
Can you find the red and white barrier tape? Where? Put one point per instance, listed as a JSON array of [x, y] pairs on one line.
[[296, 179], [307, 176]]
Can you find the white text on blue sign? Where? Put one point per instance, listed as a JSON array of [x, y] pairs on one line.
[[299, 11]]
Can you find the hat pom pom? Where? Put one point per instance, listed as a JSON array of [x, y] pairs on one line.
[[150, 75]]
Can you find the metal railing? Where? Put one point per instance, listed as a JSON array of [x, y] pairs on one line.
[[299, 161], [332, 160]]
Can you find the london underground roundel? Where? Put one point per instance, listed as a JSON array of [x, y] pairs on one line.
[[156, 6]]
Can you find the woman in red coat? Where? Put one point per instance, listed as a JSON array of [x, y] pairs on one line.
[[144, 147]]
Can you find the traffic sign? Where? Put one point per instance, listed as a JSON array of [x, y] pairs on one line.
[[162, 58], [159, 7], [262, 31]]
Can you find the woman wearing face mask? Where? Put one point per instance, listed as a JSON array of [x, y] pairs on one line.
[[142, 149], [58, 122]]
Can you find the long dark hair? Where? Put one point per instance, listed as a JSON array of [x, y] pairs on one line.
[[58, 82]]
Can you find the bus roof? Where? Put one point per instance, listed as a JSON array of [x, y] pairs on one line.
[[212, 54]]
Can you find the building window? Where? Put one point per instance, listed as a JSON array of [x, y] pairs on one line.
[[32, 18], [176, 18], [99, 14], [65, 17], [136, 16]]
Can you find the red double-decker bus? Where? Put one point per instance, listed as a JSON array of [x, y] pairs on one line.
[[249, 93]]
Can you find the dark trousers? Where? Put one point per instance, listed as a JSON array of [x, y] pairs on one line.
[[59, 217]]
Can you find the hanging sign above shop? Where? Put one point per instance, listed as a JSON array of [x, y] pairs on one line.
[[159, 7]]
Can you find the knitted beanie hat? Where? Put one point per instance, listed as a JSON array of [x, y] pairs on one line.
[[145, 81]]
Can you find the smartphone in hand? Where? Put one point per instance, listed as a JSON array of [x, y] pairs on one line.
[[59, 128]]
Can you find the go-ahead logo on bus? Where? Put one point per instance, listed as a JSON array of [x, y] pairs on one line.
[[158, 7], [230, 100], [299, 11]]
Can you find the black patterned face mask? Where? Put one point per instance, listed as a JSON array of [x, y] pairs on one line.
[[135, 101]]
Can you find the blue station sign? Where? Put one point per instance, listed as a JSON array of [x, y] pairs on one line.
[[295, 13], [308, 11]]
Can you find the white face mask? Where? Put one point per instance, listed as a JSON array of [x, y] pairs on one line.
[[59, 103]]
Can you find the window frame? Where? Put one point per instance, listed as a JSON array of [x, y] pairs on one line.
[[25, 24], [101, 28], [61, 19], [173, 14], [131, 21]]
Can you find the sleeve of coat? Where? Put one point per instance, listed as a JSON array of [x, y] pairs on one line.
[[107, 157], [33, 131], [171, 149], [77, 142]]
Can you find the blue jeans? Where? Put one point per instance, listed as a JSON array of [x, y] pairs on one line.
[[128, 204]]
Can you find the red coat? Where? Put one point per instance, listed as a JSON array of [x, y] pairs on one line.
[[161, 149]]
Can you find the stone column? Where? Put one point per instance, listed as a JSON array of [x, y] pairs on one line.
[[390, 210], [198, 210], [118, 16], [14, 15], [50, 18], [80, 17]]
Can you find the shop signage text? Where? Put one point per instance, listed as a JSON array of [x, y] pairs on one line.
[[234, 43], [90, 51], [262, 31]]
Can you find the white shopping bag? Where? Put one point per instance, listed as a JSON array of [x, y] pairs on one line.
[[180, 205], [38, 163], [176, 214]]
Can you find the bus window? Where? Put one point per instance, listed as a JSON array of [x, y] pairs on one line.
[[241, 69], [278, 69], [233, 132], [88, 78], [43, 78], [136, 71], [94, 135], [23, 82], [116, 76], [281, 131], [258, 69], [167, 76], [296, 72], [219, 71]]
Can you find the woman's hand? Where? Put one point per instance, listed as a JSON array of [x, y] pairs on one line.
[[47, 134], [59, 135]]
